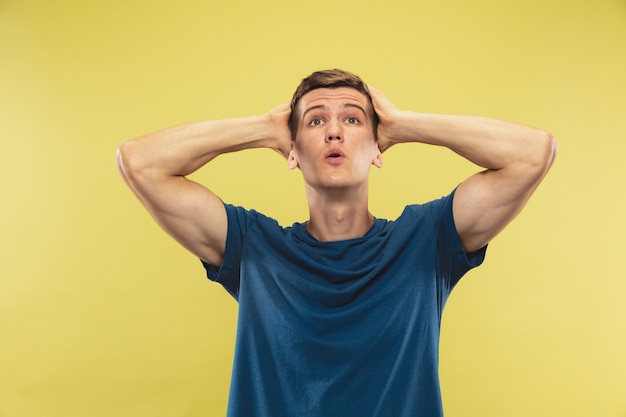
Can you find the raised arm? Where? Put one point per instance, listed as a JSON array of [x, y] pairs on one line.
[[155, 167], [515, 157]]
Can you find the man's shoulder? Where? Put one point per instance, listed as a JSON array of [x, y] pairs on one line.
[[245, 218], [432, 208]]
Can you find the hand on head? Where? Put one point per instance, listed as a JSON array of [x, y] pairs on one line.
[[281, 134], [387, 112]]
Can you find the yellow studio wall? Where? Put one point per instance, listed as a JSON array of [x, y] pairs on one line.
[[102, 314]]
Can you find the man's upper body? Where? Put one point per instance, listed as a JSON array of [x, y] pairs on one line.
[[334, 131], [340, 328]]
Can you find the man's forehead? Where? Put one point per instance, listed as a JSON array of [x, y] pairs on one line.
[[322, 96]]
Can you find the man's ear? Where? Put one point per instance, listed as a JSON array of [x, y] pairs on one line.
[[378, 158], [292, 162]]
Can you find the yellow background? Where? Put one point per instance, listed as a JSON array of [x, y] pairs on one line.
[[102, 314]]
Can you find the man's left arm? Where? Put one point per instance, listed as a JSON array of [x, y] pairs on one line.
[[515, 157]]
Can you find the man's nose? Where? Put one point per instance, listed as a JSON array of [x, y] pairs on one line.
[[334, 131]]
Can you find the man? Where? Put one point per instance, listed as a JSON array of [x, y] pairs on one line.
[[338, 316]]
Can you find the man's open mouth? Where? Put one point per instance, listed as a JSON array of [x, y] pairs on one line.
[[335, 153]]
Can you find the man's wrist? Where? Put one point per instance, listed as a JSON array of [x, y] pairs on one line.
[[403, 127]]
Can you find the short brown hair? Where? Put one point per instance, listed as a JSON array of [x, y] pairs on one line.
[[333, 78]]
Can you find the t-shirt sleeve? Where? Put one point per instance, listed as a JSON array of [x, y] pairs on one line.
[[227, 273], [454, 261]]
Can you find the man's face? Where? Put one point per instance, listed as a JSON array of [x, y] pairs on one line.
[[335, 145]]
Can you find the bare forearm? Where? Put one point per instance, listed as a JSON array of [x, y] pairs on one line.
[[489, 143], [181, 150]]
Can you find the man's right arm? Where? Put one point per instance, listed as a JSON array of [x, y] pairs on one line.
[[155, 167]]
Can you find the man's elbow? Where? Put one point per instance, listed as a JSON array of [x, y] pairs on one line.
[[128, 160], [544, 153], [550, 149]]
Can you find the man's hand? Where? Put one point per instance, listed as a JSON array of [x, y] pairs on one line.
[[280, 133], [388, 115]]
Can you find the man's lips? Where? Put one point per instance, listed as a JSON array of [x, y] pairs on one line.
[[334, 154]]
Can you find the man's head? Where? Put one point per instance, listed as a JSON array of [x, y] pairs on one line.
[[334, 78]]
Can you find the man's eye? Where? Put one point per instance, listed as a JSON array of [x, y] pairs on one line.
[[315, 122], [352, 120]]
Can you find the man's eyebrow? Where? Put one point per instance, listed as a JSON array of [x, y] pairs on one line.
[[355, 106], [321, 106]]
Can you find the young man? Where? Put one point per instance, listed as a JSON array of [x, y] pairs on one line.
[[338, 316]]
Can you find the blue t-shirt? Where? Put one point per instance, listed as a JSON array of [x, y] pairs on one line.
[[347, 328]]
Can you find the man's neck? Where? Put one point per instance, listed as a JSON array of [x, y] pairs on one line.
[[334, 219]]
